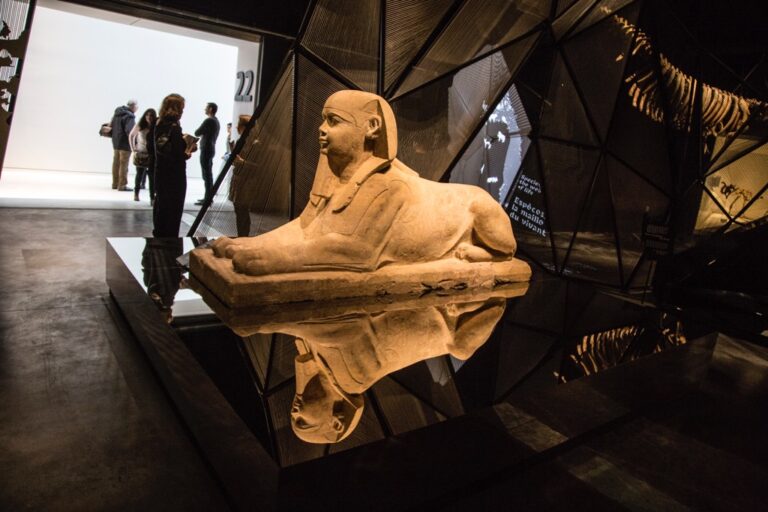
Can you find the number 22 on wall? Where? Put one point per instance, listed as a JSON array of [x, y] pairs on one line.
[[243, 92]]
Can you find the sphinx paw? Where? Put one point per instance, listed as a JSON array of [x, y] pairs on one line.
[[220, 246], [472, 253], [250, 262]]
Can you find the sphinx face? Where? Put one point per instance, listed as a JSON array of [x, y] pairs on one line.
[[340, 135], [319, 414]]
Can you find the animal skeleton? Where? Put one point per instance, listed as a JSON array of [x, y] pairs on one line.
[[722, 113], [600, 351]]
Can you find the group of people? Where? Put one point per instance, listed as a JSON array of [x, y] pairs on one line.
[[160, 150]]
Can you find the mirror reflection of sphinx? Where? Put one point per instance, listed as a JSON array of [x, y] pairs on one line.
[[343, 356], [369, 212]]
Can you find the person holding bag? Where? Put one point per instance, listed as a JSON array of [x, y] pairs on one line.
[[141, 138]]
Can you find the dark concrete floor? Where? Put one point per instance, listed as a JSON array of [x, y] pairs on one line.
[[706, 450], [84, 425]]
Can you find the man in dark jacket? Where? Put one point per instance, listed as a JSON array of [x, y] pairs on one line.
[[208, 133], [122, 124]]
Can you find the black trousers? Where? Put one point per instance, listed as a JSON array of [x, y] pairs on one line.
[[243, 219], [141, 174], [206, 164], [170, 191]]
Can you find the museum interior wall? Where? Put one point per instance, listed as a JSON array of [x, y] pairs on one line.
[[84, 97]]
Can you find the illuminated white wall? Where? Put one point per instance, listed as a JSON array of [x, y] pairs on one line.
[[78, 69]]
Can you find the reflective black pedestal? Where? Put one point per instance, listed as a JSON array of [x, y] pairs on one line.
[[436, 433]]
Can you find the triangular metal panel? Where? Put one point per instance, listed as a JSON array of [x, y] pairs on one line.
[[594, 253], [562, 6], [728, 150], [313, 86], [712, 214], [257, 349], [520, 351], [568, 173], [345, 34], [403, 410], [437, 121], [597, 58], [602, 11], [431, 382], [568, 18], [634, 200], [282, 366], [563, 115], [639, 116], [479, 27], [408, 25], [532, 81]]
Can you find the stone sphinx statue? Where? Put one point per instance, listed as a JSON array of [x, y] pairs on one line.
[[341, 357], [368, 213], [367, 209]]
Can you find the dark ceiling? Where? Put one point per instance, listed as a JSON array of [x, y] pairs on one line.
[[732, 28], [281, 17]]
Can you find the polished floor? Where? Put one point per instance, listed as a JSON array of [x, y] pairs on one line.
[[84, 424]]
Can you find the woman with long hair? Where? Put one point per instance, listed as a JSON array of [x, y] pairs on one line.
[[141, 141], [171, 154]]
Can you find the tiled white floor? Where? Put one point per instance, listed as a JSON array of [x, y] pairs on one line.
[[66, 189]]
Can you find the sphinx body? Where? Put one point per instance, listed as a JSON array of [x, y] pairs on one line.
[[368, 210]]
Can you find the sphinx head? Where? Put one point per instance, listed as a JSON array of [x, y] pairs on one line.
[[355, 123], [322, 412]]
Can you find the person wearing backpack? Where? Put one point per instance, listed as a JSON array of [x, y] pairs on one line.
[[122, 123]]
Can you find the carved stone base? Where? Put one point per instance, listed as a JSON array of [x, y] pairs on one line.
[[238, 291]]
